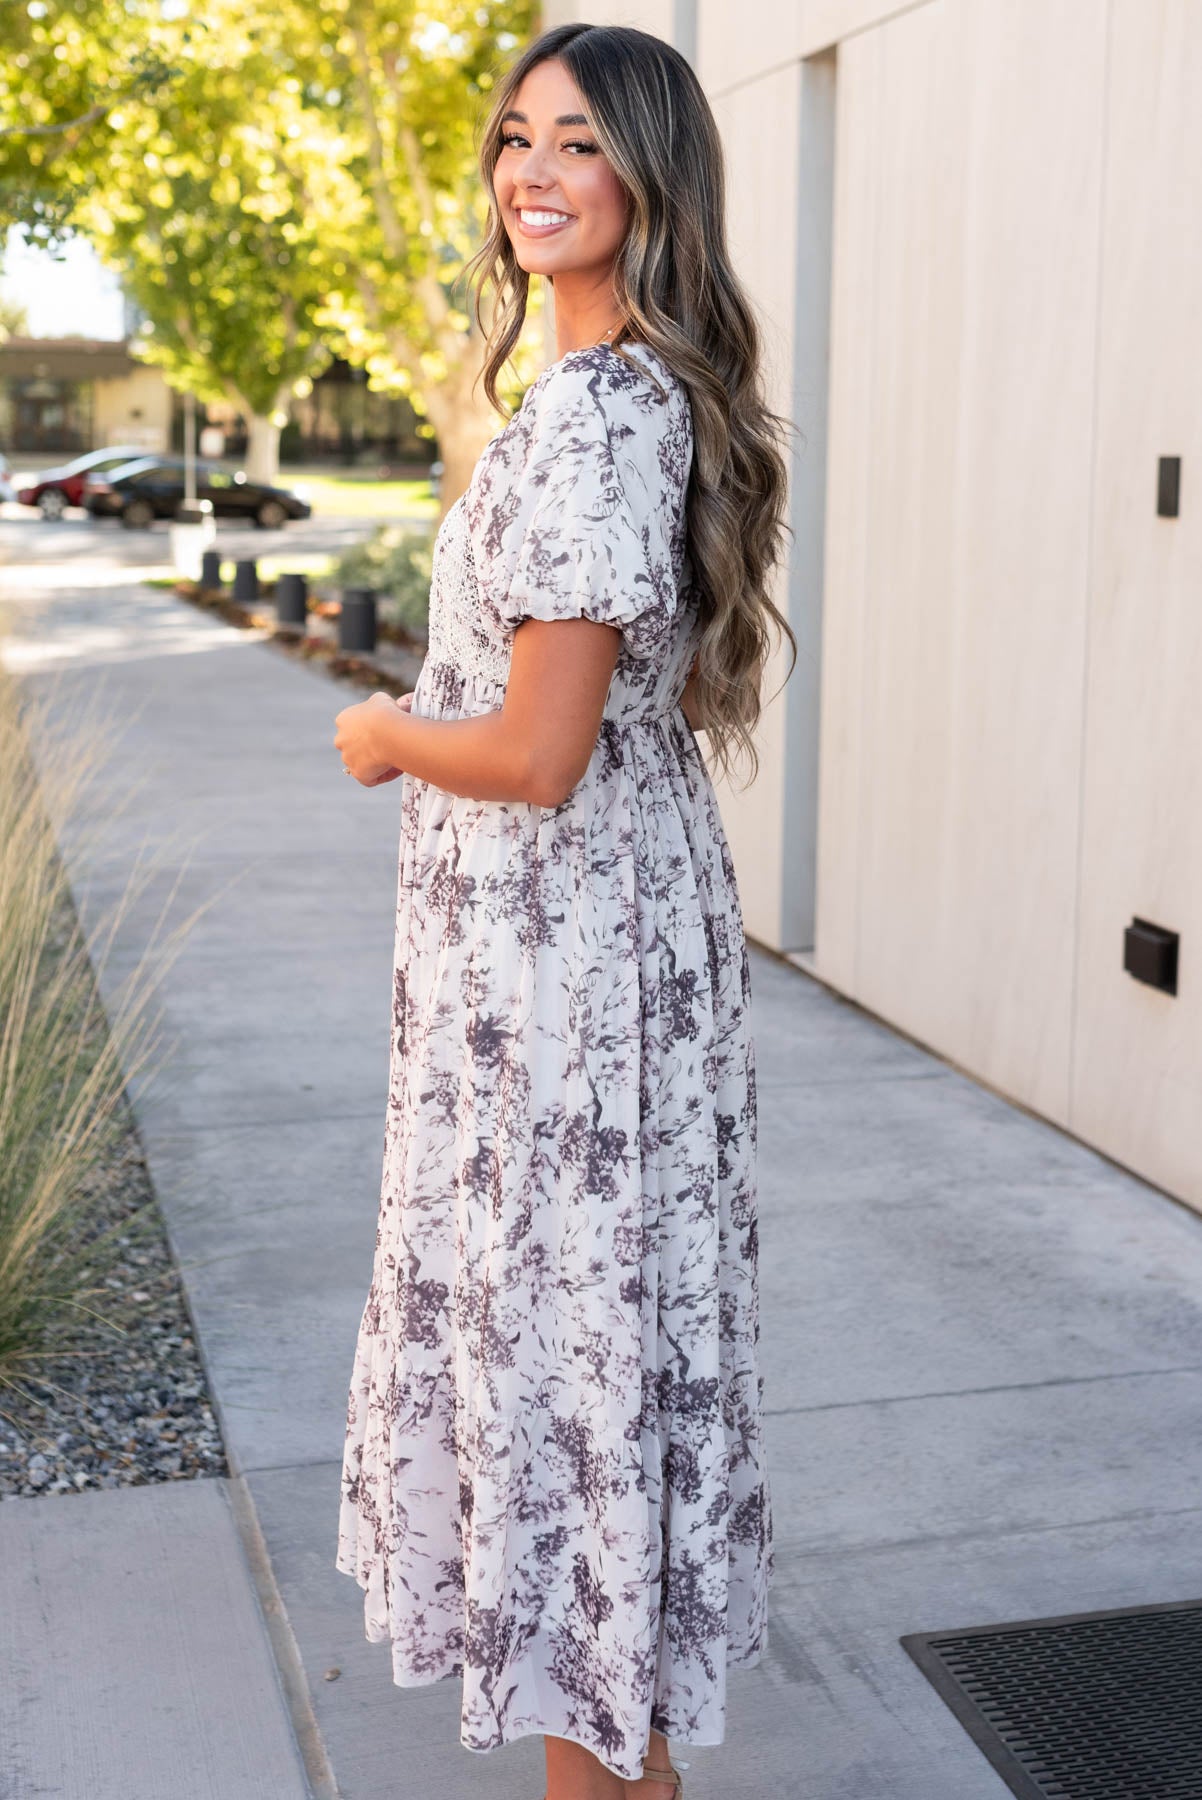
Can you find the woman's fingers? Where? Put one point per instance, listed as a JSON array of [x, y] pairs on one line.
[[348, 734]]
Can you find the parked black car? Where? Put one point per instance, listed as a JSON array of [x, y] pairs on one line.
[[152, 488]]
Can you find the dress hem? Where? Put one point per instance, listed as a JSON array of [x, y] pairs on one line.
[[749, 1659], [526, 1731]]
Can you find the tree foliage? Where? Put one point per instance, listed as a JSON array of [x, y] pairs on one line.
[[407, 86], [64, 69], [212, 212], [14, 320], [272, 184]]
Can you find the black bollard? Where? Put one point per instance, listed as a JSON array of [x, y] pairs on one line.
[[357, 620], [246, 580], [291, 600], [210, 569]]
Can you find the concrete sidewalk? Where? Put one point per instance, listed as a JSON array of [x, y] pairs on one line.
[[982, 1343]]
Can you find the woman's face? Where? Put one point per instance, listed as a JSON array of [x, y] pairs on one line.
[[550, 163]]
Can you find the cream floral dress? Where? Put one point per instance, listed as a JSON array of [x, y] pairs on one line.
[[554, 1481]]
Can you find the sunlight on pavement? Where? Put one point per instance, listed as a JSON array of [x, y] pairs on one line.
[[103, 644], [58, 617], [47, 577]]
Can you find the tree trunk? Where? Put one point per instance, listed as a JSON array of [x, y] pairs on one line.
[[464, 423], [263, 450]]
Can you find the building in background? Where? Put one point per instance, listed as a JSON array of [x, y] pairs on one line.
[[970, 227], [340, 420], [62, 396]]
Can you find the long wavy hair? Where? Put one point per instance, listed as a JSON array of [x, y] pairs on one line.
[[674, 289]]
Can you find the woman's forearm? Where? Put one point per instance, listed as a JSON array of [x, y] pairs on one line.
[[477, 758]]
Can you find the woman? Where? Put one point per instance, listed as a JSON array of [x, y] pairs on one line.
[[554, 1480]]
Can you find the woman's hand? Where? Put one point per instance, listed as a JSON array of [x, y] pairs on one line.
[[354, 738]]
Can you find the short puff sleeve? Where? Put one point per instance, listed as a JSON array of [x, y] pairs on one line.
[[574, 518]]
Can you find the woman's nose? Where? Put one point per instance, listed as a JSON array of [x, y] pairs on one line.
[[530, 168]]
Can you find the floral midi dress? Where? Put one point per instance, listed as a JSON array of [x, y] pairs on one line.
[[554, 1480]]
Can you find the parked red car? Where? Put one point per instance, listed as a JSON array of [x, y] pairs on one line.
[[59, 488]]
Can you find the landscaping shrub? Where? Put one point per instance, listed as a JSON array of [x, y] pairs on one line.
[[396, 560]]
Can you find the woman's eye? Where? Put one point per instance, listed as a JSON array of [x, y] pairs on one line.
[[515, 137]]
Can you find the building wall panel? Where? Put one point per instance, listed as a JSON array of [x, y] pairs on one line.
[[1137, 1068]]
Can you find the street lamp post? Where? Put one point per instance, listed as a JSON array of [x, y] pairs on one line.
[[193, 528], [190, 453]]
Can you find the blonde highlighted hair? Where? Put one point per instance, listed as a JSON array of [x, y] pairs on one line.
[[674, 289]]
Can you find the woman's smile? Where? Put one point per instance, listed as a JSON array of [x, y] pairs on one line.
[[541, 221]]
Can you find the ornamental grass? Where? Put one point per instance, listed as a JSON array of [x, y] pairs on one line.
[[67, 1056]]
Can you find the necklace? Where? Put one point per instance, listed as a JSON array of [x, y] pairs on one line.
[[606, 335]]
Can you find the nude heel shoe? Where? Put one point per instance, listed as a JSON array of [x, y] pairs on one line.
[[670, 1774]]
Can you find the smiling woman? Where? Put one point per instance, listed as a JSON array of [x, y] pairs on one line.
[[554, 1481], [562, 192]]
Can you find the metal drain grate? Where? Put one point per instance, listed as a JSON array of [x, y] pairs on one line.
[[1087, 1706]]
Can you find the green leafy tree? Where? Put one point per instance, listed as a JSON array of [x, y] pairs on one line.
[[184, 153], [212, 210], [404, 87], [65, 67], [272, 184]]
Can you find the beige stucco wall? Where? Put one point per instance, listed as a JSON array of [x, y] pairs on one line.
[[133, 409], [1136, 1074], [997, 764], [1010, 757], [959, 482]]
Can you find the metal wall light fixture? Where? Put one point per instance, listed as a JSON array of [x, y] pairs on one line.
[[1168, 487], [1150, 954]]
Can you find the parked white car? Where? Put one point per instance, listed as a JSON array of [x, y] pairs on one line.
[[7, 490]]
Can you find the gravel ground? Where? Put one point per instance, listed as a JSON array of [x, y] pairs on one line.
[[131, 1408], [130, 1405]]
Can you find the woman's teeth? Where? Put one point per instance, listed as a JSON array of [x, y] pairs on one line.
[[539, 219]]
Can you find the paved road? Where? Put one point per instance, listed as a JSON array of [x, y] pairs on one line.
[[25, 537], [982, 1343]]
